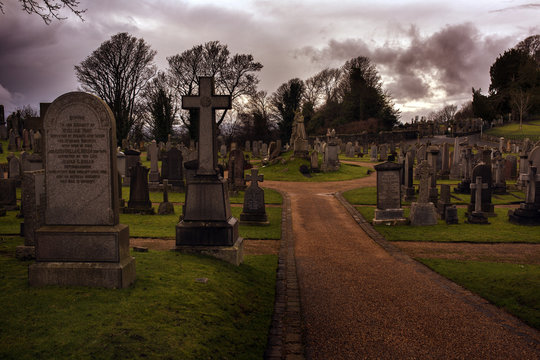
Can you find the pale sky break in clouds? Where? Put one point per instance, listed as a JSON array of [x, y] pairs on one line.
[[429, 53]]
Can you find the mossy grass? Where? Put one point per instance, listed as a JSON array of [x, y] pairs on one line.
[[10, 224], [265, 232], [290, 172], [512, 131], [167, 314], [500, 230], [513, 287]]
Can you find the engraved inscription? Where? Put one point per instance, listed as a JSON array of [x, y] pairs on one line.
[[388, 194]]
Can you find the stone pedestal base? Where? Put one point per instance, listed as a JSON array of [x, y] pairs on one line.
[[101, 274], [499, 189], [138, 210], [254, 219], [451, 215], [24, 252], [233, 254], [433, 195], [389, 217], [423, 214], [526, 214], [409, 194], [165, 208], [477, 218], [207, 233], [96, 256], [487, 209], [153, 177]]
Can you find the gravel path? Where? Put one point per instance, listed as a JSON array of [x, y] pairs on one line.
[[358, 301]]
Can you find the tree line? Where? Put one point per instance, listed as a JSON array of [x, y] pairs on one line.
[[147, 102]]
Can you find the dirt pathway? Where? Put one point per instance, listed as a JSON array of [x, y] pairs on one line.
[[358, 301]]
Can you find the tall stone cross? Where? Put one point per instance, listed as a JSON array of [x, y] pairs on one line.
[[531, 178], [478, 186], [255, 178], [207, 103]]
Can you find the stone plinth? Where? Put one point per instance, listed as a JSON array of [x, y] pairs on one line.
[[526, 214], [423, 214], [389, 217], [232, 254]]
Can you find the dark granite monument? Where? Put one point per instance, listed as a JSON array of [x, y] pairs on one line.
[[389, 209], [207, 226], [82, 242], [254, 212]]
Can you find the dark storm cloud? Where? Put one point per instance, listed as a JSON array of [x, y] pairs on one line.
[[452, 59], [533, 6]]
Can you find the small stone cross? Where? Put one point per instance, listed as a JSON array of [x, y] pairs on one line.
[[255, 178], [207, 102], [478, 186], [531, 178]]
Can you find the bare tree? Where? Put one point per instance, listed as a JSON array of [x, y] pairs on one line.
[[117, 71], [49, 10], [161, 106], [234, 76], [521, 102]]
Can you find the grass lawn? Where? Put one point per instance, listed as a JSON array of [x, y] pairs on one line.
[[529, 129], [498, 231], [164, 226], [10, 224], [513, 287], [290, 172], [167, 314]]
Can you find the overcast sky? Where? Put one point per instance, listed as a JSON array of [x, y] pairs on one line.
[[429, 53]]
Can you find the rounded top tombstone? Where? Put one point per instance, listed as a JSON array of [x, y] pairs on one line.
[[80, 165]]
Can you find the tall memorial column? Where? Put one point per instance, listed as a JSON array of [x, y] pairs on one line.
[[207, 226], [82, 242]]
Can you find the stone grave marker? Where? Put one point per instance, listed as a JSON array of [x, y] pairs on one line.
[[499, 187], [314, 161], [8, 194], [121, 163], [133, 157], [235, 167], [389, 209], [165, 208], [484, 172], [477, 216], [510, 167], [444, 200], [33, 203], [139, 194], [423, 211], [208, 226], [82, 242], [254, 212], [264, 150], [408, 187], [154, 171], [528, 212], [172, 168]]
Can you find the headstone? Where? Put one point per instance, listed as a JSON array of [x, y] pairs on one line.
[[433, 153], [477, 216], [501, 145], [165, 208], [444, 200], [383, 152], [466, 169], [451, 215], [247, 146], [33, 203], [528, 212], [455, 168], [38, 143], [254, 212], [389, 209], [423, 211], [207, 226], [255, 152], [172, 168], [499, 187], [408, 187], [3, 127], [133, 157], [82, 242], [314, 161], [373, 153], [8, 194], [349, 149], [26, 140], [235, 167], [153, 154], [264, 150], [14, 169], [139, 194], [121, 163], [223, 150], [445, 164], [484, 172], [510, 167]]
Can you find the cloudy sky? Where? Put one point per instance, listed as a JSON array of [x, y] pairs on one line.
[[429, 53]]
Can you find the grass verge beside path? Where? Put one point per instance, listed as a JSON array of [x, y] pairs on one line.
[[166, 314], [513, 287], [498, 231]]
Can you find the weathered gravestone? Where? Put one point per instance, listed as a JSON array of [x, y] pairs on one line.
[[3, 127], [444, 200], [528, 212], [235, 167], [477, 216], [153, 177], [499, 187], [408, 187], [121, 163], [314, 161], [14, 169], [172, 168], [484, 172], [33, 204], [165, 208], [254, 212], [8, 194], [331, 156], [510, 167], [389, 209], [208, 226], [82, 242], [133, 157], [139, 194], [423, 211]]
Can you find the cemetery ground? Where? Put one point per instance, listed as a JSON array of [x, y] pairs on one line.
[[512, 131]]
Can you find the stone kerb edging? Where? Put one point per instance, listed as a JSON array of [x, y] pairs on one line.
[[285, 333], [500, 316]]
